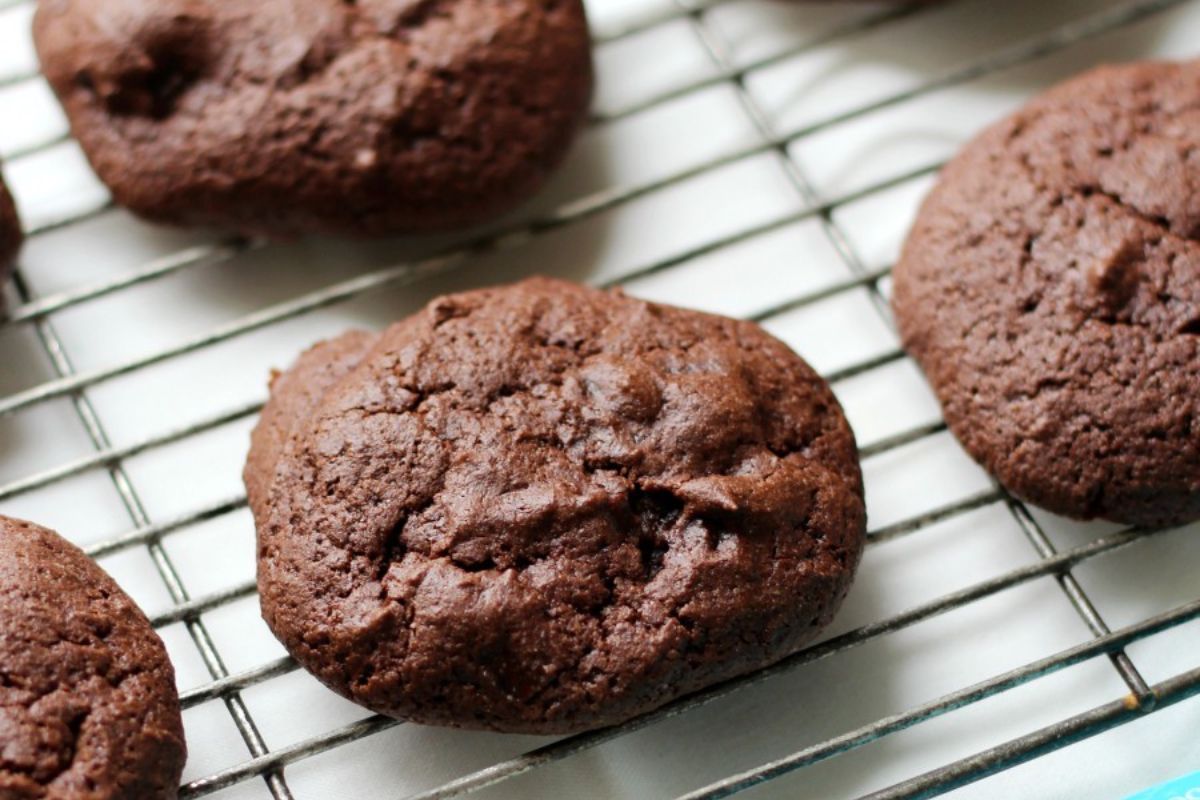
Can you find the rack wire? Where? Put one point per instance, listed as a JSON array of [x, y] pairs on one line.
[[225, 687]]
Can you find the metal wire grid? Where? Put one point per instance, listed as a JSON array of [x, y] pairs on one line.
[[269, 765]]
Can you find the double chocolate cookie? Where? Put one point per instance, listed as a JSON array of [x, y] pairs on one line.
[[285, 117], [87, 696], [10, 231], [1051, 291], [546, 508]]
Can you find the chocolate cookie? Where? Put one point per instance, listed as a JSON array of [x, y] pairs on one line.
[[87, 696], [1051, 291], [545, 508], [10, 231], [285, 117]]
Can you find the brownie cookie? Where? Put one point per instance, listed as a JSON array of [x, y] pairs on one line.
[[1051, 291], [10, 231], [285, 117], [88, 706], [545, 508]]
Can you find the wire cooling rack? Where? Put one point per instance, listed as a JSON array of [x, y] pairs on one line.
[[756, 158]]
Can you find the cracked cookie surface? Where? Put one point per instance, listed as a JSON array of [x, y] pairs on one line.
[[88, 706], [545, 508], [1050, 289], [282, 118]]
